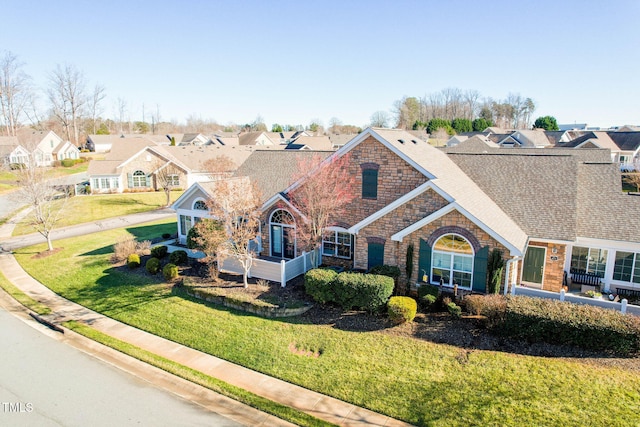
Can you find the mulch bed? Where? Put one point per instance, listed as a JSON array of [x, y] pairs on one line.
[[467, 332]]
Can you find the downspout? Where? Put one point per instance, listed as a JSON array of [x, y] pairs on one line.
[[508, 274]]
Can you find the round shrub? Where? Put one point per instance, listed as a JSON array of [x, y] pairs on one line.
[[166, 236], [159, 251], [152, 265], [67, 163], [402, 309], [170, 271], [179, 257], [133, 261], [454, 309], [318, 284], [427, 302]]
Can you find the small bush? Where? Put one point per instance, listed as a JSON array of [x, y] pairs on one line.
[[67, 163], [427, 302], [153, 265], [179, 257], [428, 290], [402, 309], [318, 284], [170, 271], [166, 236], [386, 270], [123, 248], [366, 291], [159, 251], [133, 261], [454, 309], [143, 248]]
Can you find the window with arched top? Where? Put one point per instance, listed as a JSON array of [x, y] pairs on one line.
[[452, 261], [282, 234], [200, 205], [139, 179]]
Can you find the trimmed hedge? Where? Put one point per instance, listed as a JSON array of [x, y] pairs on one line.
[[349, 290], [67, 163], [133, 261], [178, 257], [170, 271], [402, 309], [318, 284], [557, 322], [152, 265], [366, 291], [159, 251]]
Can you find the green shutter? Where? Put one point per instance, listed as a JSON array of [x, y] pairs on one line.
[[375, 255], [424, 261], [130, 180], [480, 270], [369, 184]]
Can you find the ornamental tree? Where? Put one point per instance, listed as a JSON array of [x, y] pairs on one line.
[[323, 189]]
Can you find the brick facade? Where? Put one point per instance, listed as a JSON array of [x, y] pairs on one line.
[[553, 265]]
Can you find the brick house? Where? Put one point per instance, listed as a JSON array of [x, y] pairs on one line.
[[409, 194], [547, 211]]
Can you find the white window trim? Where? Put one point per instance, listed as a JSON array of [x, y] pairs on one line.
[[451, 269], [335, 231]]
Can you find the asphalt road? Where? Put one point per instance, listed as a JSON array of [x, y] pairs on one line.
[[44, 382], [9, 203]]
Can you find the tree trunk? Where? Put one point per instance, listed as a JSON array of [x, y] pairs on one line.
[[49, 243], [167, 193]]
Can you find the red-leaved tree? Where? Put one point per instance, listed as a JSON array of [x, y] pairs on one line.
[[323, 189]]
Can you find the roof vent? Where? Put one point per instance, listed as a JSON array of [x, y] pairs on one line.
[[401, 141], [414, 141]]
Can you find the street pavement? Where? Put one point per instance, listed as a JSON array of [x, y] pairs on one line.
[[45, 382]]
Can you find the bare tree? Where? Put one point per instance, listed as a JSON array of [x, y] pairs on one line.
[[323, 189], [45, 202], [208, 236], [94, 106], [334, 125], [380, 119], [67, 94], [15, 92], [167, 178], [121, 112], [236, 204]]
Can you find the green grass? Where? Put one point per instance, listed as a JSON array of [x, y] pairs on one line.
[[221, 387], [62, 171], [96, 207], [23, 298], [414, 380]]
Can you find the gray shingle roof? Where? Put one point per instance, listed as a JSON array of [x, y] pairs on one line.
[[273, 171], [627, 141]]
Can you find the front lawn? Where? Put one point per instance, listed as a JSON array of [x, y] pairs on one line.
[[95, 207], [412, 379]]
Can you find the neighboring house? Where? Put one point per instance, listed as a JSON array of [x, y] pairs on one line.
[[47, 147], [11, 152], [526, 139], [104, 143], [188, 139], [134, 163], [570, 204], [257, 138], [477, 143], [311, 143], [628, 144], [574, 126]]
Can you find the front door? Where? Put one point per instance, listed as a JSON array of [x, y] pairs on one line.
[[533, 268], [282, 242]]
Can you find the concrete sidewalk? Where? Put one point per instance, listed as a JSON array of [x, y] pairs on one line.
[[318, 405]]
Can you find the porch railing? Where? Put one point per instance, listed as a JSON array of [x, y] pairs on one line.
[[275, 271]]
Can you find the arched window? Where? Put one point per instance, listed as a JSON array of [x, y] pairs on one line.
[[200, 205], [139, 179], [282, 232], [452, 261]]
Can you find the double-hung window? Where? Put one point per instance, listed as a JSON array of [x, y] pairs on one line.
[[337, 244]]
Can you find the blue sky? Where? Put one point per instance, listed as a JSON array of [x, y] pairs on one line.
[[295, 61]]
